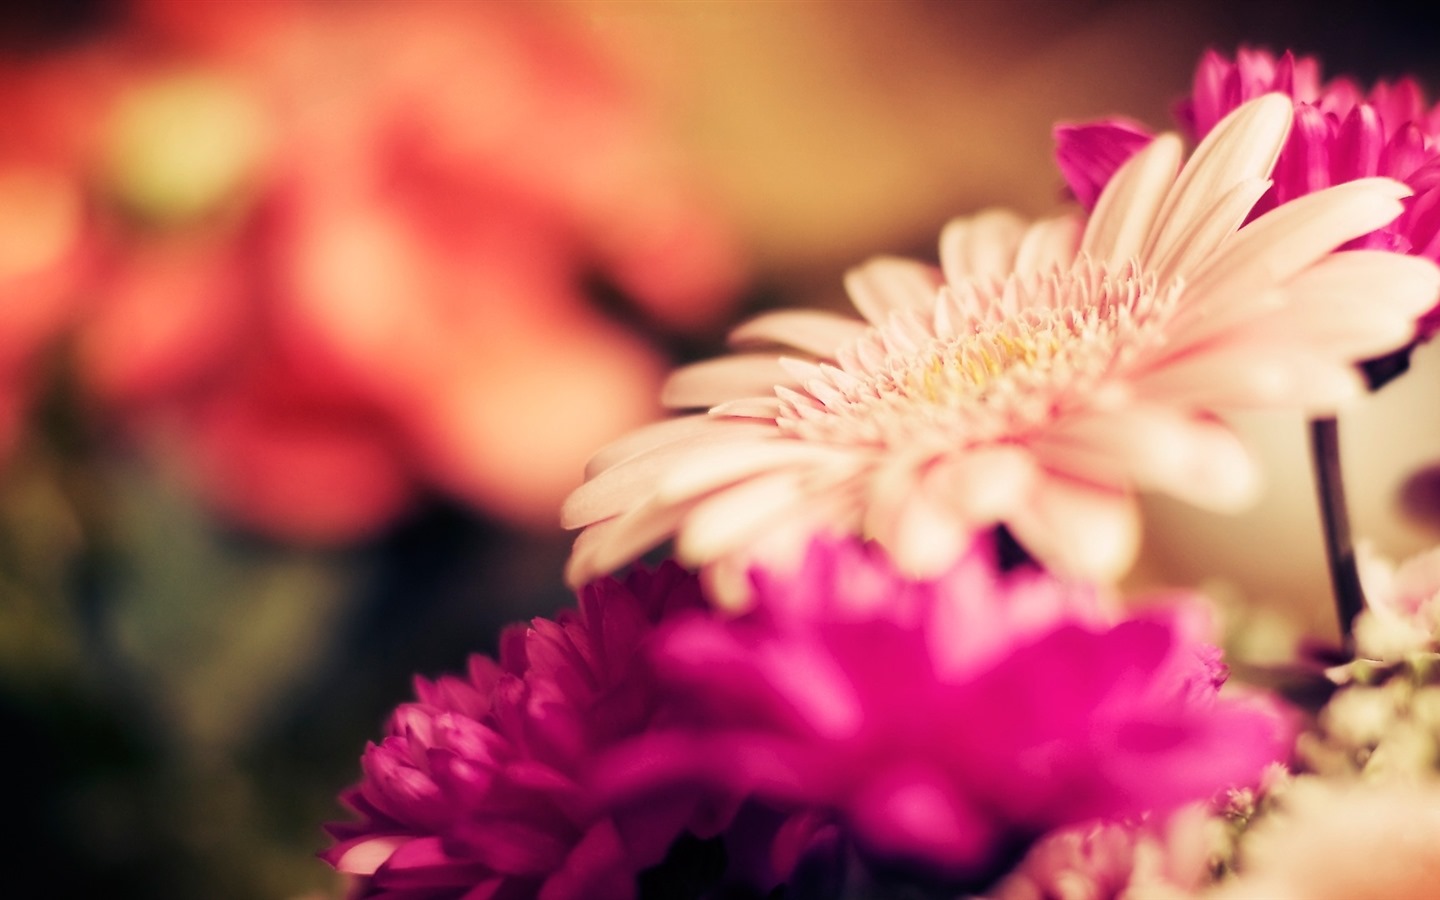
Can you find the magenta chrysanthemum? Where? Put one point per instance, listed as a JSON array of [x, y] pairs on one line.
[[1341, 133], [947, 723], [480, 788], [1035, 379]]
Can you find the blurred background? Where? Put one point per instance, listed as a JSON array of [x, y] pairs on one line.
[[311, 312]]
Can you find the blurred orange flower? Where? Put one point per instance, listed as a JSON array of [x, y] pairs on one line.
[[338, 254]]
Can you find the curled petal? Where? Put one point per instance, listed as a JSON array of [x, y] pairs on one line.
[[713, 381], [814, 332]]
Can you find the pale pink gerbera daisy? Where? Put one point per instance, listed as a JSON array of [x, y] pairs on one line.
[[1035, 380]]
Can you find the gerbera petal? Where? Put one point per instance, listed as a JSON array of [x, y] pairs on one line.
[[610, 491], [831, 507], [1243, 147], [713, 381], [647, 437], [981, 247], [817, 333], [710, 468], [1348, 278], [748, 408], [1091, 531], [1279, 244], [734, 516], [1305, 165], [1336, 308], [893, 479], [887, 284], [1049, 243], [605, 546], [1198, 460], [813, 685], [1186, 249], [1125, 213], [1241, 375], [922, 532], [1405, 153], [985, 484], [1224, 319], [927, 536], [1358, 145]]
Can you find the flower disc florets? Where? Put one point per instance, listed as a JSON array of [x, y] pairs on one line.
[[994, 359]]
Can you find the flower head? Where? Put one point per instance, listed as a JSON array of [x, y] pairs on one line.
[[944, 723], [320, 246], [1036, 379], [482, 783], [1341, 133]]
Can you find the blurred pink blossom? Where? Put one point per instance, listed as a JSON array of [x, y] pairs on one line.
[[946, 723]]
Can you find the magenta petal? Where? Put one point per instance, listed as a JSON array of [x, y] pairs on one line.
[[1359, 144], [1405, 154], [596, 867], [1089, 154], [1402, 101], [1208, 101], [511, 846], [910, 811], [418, 854], [732, 763], [647, 829], [483, 788], [796, 836], [1184, 757], [363, 855], [950, 760], [424, 862], [1284, 78], [1423, 215], [397, 787], [1304, 166], [489, 889], [464, 780]]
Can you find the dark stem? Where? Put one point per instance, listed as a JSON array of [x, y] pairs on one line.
[[1330, 489]]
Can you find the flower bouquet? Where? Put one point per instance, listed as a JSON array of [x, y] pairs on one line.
[[888, 656]]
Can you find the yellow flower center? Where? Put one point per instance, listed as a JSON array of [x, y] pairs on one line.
[[1020, 353]]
